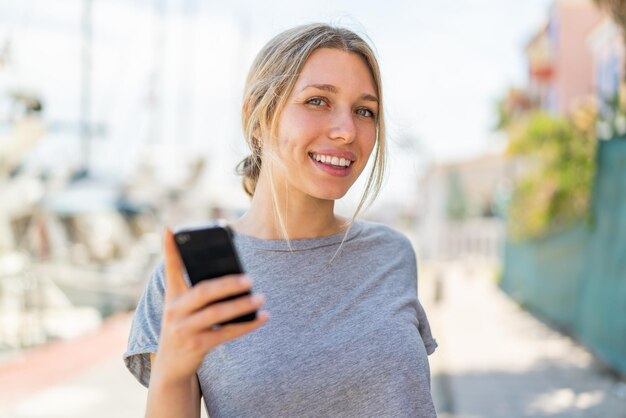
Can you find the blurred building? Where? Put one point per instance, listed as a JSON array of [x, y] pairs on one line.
[[576, 55], [460, 211], [608, 52], [560, 66]]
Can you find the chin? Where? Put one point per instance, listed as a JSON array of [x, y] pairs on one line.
[[330, 195]]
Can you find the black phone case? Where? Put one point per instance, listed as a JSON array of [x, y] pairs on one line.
[[208, 253]]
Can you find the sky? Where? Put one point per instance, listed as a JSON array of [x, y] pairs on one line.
[[171, 72]]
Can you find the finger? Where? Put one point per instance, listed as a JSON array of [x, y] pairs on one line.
[[209, 291], [223, 311], [174, 270], [232, 331]]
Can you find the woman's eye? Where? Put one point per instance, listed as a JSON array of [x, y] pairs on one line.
[[315, 101], [365, 112]]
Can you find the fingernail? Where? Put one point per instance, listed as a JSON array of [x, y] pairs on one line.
[[245, 279], [258, 299]]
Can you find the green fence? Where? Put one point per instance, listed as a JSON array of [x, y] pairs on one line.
[[577, 279]]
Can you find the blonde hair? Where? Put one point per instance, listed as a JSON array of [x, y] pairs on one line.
[[270, 81]]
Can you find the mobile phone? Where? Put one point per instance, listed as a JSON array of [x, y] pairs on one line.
[[208, 252]]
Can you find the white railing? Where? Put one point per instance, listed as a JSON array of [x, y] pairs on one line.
[[481, 238]]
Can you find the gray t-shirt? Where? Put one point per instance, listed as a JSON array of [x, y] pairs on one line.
[[349, 339]]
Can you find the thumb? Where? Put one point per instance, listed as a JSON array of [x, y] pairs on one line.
[[175, 284]]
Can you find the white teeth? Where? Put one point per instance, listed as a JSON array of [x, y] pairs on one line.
[[327, 159]]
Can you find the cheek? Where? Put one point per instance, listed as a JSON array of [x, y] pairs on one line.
[[297, 131], [286, 133], [368, 140]]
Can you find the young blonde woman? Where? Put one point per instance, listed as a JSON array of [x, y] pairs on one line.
[[347, 336]]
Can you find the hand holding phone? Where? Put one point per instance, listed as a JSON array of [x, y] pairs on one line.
[[208, 253], [190, 315]]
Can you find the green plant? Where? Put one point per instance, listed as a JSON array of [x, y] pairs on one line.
[[612, 119], [556, 192]]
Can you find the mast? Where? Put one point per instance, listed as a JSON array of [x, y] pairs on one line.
[[155, 86], [86, 91]]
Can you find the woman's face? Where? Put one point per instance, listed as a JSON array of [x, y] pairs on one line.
[[327, 129]]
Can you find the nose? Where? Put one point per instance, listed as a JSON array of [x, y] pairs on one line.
[[343, 127]]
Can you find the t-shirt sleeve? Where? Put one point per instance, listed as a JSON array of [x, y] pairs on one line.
[[424, 328], [146, 327], [423, 325]]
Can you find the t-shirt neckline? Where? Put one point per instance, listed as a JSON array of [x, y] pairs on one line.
[[298, 244]]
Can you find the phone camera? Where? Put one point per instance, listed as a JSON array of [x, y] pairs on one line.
[[182, 239]]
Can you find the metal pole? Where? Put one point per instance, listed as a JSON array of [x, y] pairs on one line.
[[155, 88], [85, 92]]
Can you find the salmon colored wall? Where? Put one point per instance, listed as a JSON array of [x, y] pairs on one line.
[[573, 21]]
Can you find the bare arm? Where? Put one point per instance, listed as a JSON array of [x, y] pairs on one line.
[[172, 399]]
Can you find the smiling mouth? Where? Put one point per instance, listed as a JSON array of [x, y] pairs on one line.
[[332, 161]]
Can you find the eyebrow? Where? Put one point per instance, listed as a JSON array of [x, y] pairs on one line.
[[332, 89]]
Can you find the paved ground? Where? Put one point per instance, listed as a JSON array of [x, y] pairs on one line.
[[494, 360], [79, 378]]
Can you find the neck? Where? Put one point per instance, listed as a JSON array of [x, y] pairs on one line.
[[303, 216]]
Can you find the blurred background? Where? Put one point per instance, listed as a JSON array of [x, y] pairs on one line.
[[507, 134]]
